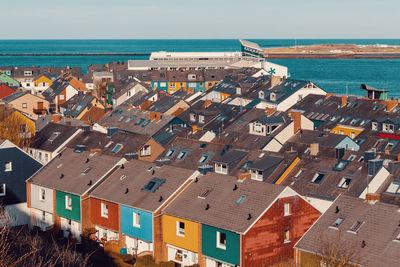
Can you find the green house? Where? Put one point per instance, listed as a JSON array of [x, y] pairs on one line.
[[8, 80], [220, 245], [68, 206]]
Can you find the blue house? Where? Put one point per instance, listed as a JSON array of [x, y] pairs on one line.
[[141, 189], [16, 167]]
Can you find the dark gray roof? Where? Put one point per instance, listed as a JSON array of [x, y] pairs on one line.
[[231, 156], [265, 163], [379, 229], [285, 89], [56, 88], [66, 171], [77, 104], [14, 96], [224, 212], [52, 136], [271, 119], [134, 177]]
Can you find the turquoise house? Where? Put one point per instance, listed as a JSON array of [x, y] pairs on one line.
[[197, 86], [70, 209], [141, 229], [160, 85], [8, 80], [228, 253]]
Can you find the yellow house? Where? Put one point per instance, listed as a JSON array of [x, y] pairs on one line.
[[350, 131], [175, 86], [210, 84], [43, 81], [181, 233]]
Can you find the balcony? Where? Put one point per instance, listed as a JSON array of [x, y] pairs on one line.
[[40, 111]]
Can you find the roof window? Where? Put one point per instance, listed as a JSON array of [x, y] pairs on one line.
[[394, 187], [53, 136], [171, 152], [183, 154], [344, 183], [203, 194], [80, 148], [356, 226], [318, 177], [153, 185], [145, 123], [337, 222], [241, 199], [116, 148], [341, 165], [139, 121], [86, 170]]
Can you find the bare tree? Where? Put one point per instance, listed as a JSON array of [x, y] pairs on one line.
[[14, 128], [100, 88]]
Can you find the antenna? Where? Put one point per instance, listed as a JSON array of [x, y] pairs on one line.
[[347, 89]]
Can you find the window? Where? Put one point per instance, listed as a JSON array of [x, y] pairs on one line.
[[258, 128], [145, 151], [24, 105], [68, 203], [8, 166], [104, 210], [2, 190], [191, 76], [170, 152], [163, 84], [286, 236], [344, 183], [61, 97], [201, 119], [153, 184], [257, 175], [221, 240], [86, 170], [204, 158], [43, 216], [318, 177], [241, 199], [221, 168], [183, 154], [374, 126], [351, 158], [356, 226], [394, 187], [180, 229], [337, 222], [136, 219], [42, 194], [352, 135], [116, 148], [192, 117], [192, 85], [172, 85], [298, 174], [286, 209]]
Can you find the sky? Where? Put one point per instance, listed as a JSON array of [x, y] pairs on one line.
[[141, 19]]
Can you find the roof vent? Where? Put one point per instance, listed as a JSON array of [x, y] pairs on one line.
[[337, 209], [235, 187], [249, 217], [127, 191], [87, 160], [161, 199], [90, 183], [207, 207], [122, 166], [196, 180], [363, 244], [62, 175]]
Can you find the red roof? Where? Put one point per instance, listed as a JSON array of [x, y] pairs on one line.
[[5, 91], [389, 136]]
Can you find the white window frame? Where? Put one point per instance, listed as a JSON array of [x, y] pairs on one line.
[[146, 150], [286, 236], [219, 168], [42, 194], [201, 119], [104, 210], [191, 85], [8, 166], [163, 84], [287, 209], [61, 97], [219, 244], [136, 219], [374, 126], [68, 202], [3, 186], [172, 85], [180, 231]]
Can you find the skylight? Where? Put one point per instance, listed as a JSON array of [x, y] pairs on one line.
[[116, 148], [54, 136], [139, 121], [376, 107], [344, 183], [241, 199], [79, 148], [356, 226], [341, 165], [203, 194], [183, 154], [299, 173], [121, 118], [153, 185], [171, 152], [394, 187], [86, 170], [130, 118], [338, 222], [318, 177]]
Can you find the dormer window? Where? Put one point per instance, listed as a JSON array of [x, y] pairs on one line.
[[192, 117], [191, 76], [221, 168], [261, 95], [374, 126], [28, 73], [258, 128], [145, 151], [272, 96], [386, 127], [257, 175], [201, 119]]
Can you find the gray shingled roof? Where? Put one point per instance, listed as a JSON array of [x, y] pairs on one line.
[[224, 212], [137, 176], [65, 172], [231, 156], [41, 139], [379, 230]]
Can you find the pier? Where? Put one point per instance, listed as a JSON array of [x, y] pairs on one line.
[[74, 54]]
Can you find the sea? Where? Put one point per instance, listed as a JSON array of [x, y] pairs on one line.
[[340, 76]]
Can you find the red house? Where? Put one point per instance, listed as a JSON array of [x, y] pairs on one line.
[[5, 91]]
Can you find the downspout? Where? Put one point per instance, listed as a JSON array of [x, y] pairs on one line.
[[240, 250]]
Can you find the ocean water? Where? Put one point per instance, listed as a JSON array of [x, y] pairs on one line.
[[333, 75]]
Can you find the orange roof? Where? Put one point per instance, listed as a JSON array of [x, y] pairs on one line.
[[95, 114]]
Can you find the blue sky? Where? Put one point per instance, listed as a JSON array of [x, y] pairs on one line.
[[137, 19]]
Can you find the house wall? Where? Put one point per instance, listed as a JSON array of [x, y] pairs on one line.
[[191, 239], [19, 214], [209, 245], [348, 143], [70, 91], [295, 97], [346, 130], [22, 167], [376, 182], [178, 86], [35, 202], [31, 102], [303, 258], [160, 85], [280, 139], [197, 86], [156, 150], [145, 232], [112, 221], [181, 104], [264, 245], [74, 213]]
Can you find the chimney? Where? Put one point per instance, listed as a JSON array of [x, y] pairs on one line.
[[314, 149], [97, 150], [296, 117], [207, 103], [275, 80], [56, 118], [344, 100], [152, 116], [130, 107], [372, 198], [242, 176], [112, 131], [368, 155], [238, 90], [398, 157], [374, 165], [329, 95], [269, 111], [158, 116]]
